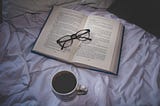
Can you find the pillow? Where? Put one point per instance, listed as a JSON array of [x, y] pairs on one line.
[[13, 8]]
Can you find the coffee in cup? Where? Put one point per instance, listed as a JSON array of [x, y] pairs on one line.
[[66, 87]]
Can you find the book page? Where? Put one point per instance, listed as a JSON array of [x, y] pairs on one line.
[[61, 22], [117, 50], [99, 52]]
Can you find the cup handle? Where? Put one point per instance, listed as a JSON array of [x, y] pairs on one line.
[[82, 90]]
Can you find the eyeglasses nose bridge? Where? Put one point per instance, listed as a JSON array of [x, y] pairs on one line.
[[74, 36]]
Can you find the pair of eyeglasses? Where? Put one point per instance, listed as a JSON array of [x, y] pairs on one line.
[[67, 40]]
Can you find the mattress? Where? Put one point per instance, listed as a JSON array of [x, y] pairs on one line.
[[25, 77]]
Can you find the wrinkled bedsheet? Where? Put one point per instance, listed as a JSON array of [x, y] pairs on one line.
[[25, 77]]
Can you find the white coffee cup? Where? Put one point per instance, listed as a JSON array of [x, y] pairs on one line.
[[66, 87]]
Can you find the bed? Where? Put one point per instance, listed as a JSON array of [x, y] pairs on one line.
[[25, 76]]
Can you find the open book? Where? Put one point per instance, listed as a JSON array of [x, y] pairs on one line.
[[101, 53]]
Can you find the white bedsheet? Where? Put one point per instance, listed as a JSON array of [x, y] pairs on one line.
[[25, 77]]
